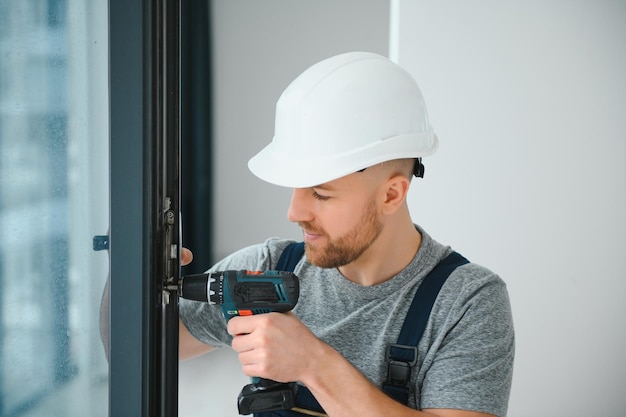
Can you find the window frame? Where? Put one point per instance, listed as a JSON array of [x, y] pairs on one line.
[[144, 61]]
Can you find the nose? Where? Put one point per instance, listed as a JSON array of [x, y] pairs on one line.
[[299, 210]]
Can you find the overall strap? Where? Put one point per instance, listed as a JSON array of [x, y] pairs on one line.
[[290, 257], [402, 356]]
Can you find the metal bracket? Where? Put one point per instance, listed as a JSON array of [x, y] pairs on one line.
[[101, 242]]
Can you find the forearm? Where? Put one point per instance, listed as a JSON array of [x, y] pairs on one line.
[[343, 391], [188, 346]]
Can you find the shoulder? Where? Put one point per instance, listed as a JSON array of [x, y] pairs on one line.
[[474, 299], [466, 284], [473, 280]]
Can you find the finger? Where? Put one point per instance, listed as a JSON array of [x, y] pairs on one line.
[[253, 369], [254, 358], [242, 343], [186, 256], [241, 325]]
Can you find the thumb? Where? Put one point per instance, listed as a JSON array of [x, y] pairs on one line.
[[186, 256]]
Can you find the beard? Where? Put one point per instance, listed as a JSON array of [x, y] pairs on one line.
[[347, 248]]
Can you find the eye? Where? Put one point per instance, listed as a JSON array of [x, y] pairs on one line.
[[318, 196]]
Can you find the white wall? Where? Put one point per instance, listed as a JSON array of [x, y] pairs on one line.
[[529, 102], [259, 47]]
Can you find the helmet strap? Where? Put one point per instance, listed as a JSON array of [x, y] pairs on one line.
[[418, 168]]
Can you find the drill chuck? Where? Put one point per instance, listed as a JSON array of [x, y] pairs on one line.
[[208, 288]]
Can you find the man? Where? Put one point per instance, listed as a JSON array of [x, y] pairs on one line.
[[350, 134]]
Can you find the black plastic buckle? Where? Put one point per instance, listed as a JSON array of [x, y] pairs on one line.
[[401, 360]]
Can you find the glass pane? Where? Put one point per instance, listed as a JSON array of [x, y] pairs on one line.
[[53, 200]]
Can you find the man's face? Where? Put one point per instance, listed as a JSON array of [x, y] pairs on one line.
[[339, 220]]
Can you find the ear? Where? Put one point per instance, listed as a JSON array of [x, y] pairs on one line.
[[395, 191]]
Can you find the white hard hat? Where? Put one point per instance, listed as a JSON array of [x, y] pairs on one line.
[[341, 115]]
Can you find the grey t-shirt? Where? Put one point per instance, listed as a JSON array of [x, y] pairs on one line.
[[465, 356]]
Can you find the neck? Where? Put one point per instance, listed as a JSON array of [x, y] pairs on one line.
[[392, 251]]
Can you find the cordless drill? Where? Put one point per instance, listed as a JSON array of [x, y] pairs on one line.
[[244, 293]]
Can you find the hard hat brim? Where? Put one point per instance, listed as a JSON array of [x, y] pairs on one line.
[[303, 171]]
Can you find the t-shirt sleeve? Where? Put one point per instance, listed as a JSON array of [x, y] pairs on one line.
[[472, 362], [206, 322]]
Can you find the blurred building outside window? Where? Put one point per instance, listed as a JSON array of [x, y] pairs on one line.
[[54, 197]]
